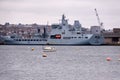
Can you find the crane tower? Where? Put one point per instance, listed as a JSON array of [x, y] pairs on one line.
[[99, 22]]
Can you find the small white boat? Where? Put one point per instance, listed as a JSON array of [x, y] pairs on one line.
[[49, 49]]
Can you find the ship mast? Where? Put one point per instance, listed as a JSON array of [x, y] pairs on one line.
[[63, 20]]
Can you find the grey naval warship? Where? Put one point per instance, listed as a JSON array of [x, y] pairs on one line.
[[62, 34]]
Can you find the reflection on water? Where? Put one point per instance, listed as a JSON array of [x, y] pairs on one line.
[[67, 63]]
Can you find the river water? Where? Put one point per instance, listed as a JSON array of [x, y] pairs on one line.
[[67, 63]]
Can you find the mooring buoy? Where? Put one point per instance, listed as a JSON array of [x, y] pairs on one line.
[[108, 59], [44, 55]]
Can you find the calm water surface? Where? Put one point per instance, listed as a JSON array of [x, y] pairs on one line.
[[67, 63]]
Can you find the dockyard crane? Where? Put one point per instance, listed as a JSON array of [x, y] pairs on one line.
[[99, 22]]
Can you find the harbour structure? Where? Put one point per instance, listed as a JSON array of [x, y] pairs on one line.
[[63, 33], [112, 37]]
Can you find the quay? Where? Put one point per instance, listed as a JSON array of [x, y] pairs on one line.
[[112, 38]]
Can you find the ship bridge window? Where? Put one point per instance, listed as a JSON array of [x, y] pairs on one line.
[[86, 37], [97, 37]]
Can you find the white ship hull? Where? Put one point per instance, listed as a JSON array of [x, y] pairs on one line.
[[77, 41]]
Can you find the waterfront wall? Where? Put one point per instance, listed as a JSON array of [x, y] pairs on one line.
[[112, 37]]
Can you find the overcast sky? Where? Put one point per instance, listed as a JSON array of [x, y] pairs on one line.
[[43, 11]]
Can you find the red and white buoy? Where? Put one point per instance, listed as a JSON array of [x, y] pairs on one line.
[[108, 59]]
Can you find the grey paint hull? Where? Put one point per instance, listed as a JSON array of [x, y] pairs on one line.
[[82, 41]]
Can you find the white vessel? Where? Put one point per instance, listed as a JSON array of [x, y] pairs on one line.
[[49, 49]]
